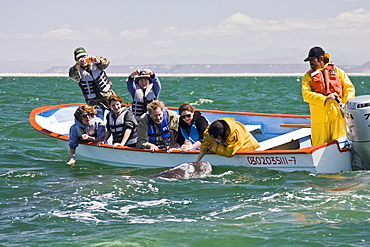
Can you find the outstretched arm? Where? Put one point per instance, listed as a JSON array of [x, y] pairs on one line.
[[72, 160], [204, 152]]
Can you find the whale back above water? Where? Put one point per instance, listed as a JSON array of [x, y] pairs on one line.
[[186, 170]]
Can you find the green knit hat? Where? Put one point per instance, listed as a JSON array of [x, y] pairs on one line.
[[79, 52]]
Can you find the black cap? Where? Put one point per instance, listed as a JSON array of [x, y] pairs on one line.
[[216, 129], [315, 52]]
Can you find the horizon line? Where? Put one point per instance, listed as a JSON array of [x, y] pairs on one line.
[[38, 74]]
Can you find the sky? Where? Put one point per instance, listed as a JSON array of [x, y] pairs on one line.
[[177, 32]]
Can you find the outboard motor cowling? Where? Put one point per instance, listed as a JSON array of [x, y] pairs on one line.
[[357, 116]]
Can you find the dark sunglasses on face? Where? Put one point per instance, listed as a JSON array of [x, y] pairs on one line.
[[184, 116], [88, 114]]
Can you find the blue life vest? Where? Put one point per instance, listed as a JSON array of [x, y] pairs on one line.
[[192, 136], [164, 130]]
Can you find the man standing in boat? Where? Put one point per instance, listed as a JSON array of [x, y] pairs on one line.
[[92, 79], [325, 87], [157, 127]]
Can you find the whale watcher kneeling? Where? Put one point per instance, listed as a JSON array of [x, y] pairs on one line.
[[87, 127], [192, 125], [225, 137], [157, 127], [121, 123]]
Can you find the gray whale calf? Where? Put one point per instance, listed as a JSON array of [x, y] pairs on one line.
[[186, 170]]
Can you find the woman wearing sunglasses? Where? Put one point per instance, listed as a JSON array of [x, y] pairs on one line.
[[87, 127], [191, 128]]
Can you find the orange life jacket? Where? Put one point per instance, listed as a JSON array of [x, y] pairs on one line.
[[326, 81]]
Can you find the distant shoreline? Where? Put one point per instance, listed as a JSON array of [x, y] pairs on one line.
[[173, 74]]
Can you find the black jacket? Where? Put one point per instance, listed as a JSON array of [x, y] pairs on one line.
[[200, 122]]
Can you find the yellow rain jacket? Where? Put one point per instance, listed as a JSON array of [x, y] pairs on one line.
[[238, 138], [327, 122]]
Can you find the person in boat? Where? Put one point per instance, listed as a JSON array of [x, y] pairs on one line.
[[325, 87], [87, 127], [225, 137], [121, 123], [94, 83], [157, 127], [144, 87], [192, 125]]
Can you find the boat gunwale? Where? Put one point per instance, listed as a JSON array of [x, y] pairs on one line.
[[306, 150]]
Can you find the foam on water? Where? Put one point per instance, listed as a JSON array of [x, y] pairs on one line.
[[44, 202]]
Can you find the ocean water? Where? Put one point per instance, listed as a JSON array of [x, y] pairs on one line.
[[44, 202]]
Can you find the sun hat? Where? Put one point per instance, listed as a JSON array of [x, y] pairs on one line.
[[79, 52], [315, 52], [142, 75]]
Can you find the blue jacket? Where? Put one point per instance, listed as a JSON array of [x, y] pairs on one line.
[[95, 129]]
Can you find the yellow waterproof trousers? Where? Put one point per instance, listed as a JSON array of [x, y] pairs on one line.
[[325, 132]]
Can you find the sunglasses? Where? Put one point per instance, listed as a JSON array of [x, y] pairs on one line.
[[88, 114], [185, 116]]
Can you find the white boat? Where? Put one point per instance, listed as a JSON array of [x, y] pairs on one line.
[[284, 138]]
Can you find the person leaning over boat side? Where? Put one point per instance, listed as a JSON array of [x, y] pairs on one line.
[[157, 127], [144, 87], [225, 137], [92, 79], [192, 125], [321, 87], [87, 127], [121, 123]]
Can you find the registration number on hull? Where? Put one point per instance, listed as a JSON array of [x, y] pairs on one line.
[[271, 160]]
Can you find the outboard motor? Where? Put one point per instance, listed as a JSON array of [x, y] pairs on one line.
[[358, 130]]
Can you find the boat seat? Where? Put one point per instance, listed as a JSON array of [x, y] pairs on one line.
[[285, 138], [53, 125], [253, 127]]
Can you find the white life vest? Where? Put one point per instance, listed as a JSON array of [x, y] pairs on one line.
[[94, 83], [116, 127], [141, 100]]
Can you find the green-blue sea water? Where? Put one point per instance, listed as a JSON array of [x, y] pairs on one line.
[[44, 202]]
